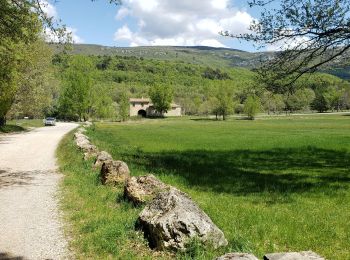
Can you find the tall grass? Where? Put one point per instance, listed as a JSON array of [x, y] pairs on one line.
[[275, 184]]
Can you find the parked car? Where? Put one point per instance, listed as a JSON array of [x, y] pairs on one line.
[[50, 121]]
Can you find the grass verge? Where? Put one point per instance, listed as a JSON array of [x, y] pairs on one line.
[[101, 223], [272, 185], [13, 126]]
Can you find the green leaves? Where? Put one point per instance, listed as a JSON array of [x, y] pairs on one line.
[[161, 96]]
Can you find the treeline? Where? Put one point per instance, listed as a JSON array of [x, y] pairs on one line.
[[78, 87], [200, 90]]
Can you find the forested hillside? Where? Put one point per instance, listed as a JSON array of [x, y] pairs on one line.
[[97, 83], [107, 80], [201, 55]]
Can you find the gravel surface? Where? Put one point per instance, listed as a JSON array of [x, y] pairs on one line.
[[30, 226]]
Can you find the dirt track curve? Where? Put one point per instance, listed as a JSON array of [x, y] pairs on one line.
[[30, 226]]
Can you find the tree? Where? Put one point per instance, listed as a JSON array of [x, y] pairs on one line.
[[252, 106], [19, 28], [124, 106], [77, 80], [224, 101], [320, 102], [300, 100], [36, 85], [308, 34], [161, 96]]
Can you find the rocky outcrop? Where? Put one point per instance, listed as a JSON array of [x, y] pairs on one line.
[[143, 188], [114, 172], [237, 256], [172, 219], [305, 255], [102, 157]]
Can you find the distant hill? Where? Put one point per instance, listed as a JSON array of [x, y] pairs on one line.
[[202, 55]]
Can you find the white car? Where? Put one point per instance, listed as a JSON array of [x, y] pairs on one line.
[[50, 121]]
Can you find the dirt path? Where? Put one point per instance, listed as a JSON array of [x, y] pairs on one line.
[[30, 225]]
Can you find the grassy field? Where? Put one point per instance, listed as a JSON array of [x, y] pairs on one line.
[[20, 125], [273, 184]]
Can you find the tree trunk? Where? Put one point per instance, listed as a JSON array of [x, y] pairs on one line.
[[223, 117], [2, 120], [216, 116]]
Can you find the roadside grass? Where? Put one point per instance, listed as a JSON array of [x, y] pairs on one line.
[[20, 125], [100, 222], [274, 184]]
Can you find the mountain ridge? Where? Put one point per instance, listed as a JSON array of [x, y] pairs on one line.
[[217, 57]]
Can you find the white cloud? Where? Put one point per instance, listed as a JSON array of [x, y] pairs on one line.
[[51, 36], [299, 42], [122, 13], [181, 22], [50, 10], [123, 33], [74, 35]]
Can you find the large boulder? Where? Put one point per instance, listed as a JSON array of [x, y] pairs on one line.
[[172, 219], [305, 255], [237, 256], [143, 188], [114, 172], [101, 157], [82, 141]]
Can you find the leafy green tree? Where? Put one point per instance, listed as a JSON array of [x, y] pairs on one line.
[[161, 96], [36, 86], [272, 103], [124, 106], [320, 102], [300, 100], [252, 106], [101, 103], [19, 27], [77, 80], [224, 105]]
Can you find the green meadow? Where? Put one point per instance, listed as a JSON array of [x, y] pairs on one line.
[[274, 184]]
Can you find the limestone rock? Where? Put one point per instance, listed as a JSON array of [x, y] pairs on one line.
[[171, 219], [305, 255], [237, 256], [101, 157], [79, 135], [143, 188], [114, 172]]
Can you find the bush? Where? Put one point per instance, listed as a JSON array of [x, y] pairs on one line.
[[252, 106], [239, 108]]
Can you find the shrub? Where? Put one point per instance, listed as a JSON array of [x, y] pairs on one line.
[[252, 106]]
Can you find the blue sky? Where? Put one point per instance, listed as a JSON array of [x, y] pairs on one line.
[[155, 22]]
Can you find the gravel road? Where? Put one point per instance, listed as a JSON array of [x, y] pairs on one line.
[[30, 226]]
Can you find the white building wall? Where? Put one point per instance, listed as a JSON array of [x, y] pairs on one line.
[[135, 107]]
